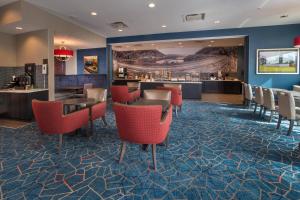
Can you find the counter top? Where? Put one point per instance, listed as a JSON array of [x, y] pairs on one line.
[[22, 91], [175, 82]]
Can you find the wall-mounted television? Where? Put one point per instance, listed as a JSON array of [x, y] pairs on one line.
[[277, 61]]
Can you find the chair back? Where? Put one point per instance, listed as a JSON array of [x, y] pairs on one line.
[[248, 92], [87, 86], [173, 85], [286, 105], [119, 93], [176, 95], [135, 85], [139, 124], [157, 95], [99, 94], [296, 88], [259, 96], [269, 101], [48, 115]]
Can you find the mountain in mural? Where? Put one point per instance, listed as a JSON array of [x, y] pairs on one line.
[[206, 60]]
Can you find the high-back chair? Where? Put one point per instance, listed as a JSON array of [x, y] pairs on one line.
[[121, 94], [157, 95], [248, 95], [99, 109], [269, 102], [136, 87], [176, 96], [51, 120], [259, 99], [142, 125], [287, 110], [85, 87]]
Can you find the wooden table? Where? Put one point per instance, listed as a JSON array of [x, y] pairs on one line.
[[81, 103], [147, 102]]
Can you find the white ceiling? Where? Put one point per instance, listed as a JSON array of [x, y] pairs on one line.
[[143, 20]]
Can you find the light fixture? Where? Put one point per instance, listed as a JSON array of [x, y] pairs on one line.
[[94, 13], [120, 30], [153, 44], [164, 26], [180, 43], [297, 42], [151, 5], [63, 54], [212, 41], [209, 45], [284, 16], [217, 22], [19, 28]]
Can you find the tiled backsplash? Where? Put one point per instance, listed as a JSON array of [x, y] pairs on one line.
[[6, 74], [98, 80]]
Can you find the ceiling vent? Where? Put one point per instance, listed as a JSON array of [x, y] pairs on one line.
[[118, 25], [193, 17]]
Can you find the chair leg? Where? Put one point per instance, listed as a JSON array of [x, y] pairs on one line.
[[264, 113], [154, 155], [271, 116], [180, 108], [260, 111], [104, 121], [279, 122], [60, 143], [176, 111], [255, 107], [123, 149], [249, 104], [167, 141], [291, 127]]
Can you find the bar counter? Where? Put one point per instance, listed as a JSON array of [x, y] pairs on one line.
[[193, 90], [16, 104], [190, 90]]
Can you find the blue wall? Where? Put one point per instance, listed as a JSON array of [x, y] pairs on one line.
[[259, 38], [102, 59]]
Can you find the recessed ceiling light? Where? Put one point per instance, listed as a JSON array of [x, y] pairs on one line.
[[217, 22], [240, 44], [94, 13], [212, 41], [152, 44], [19, 28], [151, 5], [164, 26], [209, 45], [120, 30], [180, 43]]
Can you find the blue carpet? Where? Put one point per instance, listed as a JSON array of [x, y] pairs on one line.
[[215, 152]]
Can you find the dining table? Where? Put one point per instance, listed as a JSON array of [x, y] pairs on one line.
[[80, 103]]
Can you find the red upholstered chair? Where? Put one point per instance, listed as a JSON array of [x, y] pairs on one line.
[[176, 97], [120, 94], [142, 125], [98, 110], [51, 120]]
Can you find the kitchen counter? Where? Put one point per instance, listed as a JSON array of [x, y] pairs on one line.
[[22, 91], [17, 103]]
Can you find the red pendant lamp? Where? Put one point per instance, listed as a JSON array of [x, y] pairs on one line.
[[63, 54], [297, 42]]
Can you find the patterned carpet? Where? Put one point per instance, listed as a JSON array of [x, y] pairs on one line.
[[215, 152]]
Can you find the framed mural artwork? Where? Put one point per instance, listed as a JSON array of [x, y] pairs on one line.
[[90, 64], [277, 61]]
